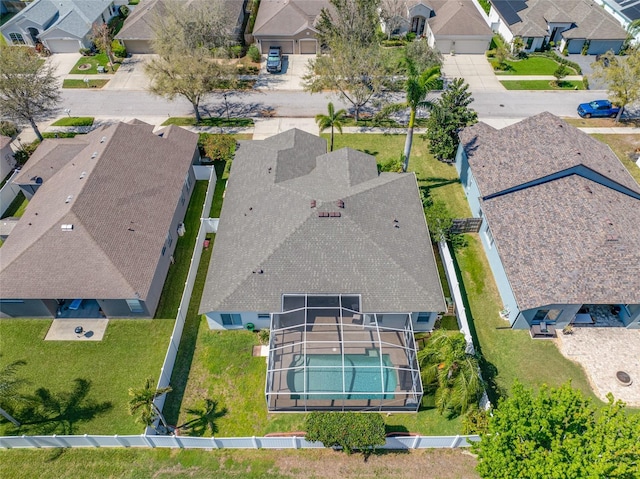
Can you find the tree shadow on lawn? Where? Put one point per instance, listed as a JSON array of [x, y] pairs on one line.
[[59, 413], [489, 370], [436, 182]]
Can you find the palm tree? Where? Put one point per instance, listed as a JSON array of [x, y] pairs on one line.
[[417, 87], [205, 418], [142, 400], [450, 372], [332, 120], [9, 385]]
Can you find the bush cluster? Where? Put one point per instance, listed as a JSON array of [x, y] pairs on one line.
[[254, 53], [218, 147], [119, 51], [9, 128], [349, 430]]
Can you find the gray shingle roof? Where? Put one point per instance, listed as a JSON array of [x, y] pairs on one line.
[[569, 240], [121, 204], [268, 223], [591, 20], [459, 17], [287, 17]]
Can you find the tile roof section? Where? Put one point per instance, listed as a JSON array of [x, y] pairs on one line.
[[121, 203], [271, 225], [514, 155]]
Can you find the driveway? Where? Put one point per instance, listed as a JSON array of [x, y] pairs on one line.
[[63, 63], [476, 71], [131, 75], [294, 67]]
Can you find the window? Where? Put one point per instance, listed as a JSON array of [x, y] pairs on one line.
[[135, 306], [231, 319], [489, 236], [182, 199], [264, 316], [529, 43], [16, 38], [423, 317], [547, 315], [187, 182], [169, 239], [164, 249]]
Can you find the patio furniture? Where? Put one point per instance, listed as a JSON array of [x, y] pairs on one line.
[[101, 69], [75, 304], [542, 331], [583, 318]]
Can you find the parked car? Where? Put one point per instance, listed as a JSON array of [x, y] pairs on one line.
[[274, 60], [597, 108]]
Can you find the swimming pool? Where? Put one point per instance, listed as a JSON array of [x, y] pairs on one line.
[[362, 377]]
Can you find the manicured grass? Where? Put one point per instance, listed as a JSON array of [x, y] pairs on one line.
[[602, 123], [233, 464], [508, 354], [533, 66], [542, 85], [131, 351], [95, 61], [74, 121], [174, 284], [191, 121], [622, 146], [17, 206], [81, 84], [60, 134], [368, 122]]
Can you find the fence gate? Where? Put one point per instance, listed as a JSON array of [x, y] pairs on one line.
[[466, 225]]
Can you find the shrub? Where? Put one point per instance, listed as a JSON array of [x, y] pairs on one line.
[[253, 15], [86, 52], [254, 53], [124, 11], [22, 155], [119, 51], [9, 128], [411, 36], [475, 422], [392, 165], [395, 42], [219, 147], [235, 51], [263, 336], [349, 430]]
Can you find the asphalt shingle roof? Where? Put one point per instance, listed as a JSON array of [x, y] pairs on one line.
[[287, 17], [457, 18], [572, 239], [268, 224], [120, 202]]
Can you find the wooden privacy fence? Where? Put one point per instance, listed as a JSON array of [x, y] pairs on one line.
[[186, 442]]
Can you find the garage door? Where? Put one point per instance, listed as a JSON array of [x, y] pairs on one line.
[[308, 47], [138, 46], [63, 46], [443, 46], [470, 47], [602, 46], [285, 45]]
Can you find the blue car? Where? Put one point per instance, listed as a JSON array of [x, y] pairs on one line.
[[598, 108]]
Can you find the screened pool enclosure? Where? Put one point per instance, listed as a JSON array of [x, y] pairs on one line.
[[325, 354]]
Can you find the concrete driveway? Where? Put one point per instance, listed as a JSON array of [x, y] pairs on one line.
[[476, 71], [294, 67], [131, 75], [266, 127], [63, 63]]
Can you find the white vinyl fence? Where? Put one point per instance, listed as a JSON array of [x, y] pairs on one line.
[[8, 193], [186, 442], [174, 341]]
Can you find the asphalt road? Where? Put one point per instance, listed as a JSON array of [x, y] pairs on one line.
[[508, 104]]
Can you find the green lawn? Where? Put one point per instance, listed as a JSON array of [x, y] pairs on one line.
[[542, 85], [622, 146], [74, 121], [81, 84], [533, 66], [95, 61], [131, 351], [191, 121], [17, 206], [174, 284]]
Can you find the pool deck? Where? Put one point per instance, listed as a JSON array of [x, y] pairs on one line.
[[602, 352]]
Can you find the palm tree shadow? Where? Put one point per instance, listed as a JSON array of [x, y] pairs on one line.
[[205, 419], [60, 412]]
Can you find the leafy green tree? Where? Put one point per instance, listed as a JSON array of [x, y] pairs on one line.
[[417, 87], [28, 87], [560, 72], [452, 373], [557, 432], [622, 76], [354, 21], [102, 36], [349, 430], [9, 389], [189, 40], [449, 115], [142, 402], [422, 55], [333, 119]]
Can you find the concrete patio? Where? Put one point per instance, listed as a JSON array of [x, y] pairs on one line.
[[602, 352], [65, 330]]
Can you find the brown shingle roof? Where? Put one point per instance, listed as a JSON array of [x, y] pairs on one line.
[[459, 17], [120, 203], [287, 17]]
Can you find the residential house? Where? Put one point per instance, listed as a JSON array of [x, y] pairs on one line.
[[136, 33], [288, 24], [573, 25], [98, 234], [449, 26], [335, 258], [560, 223], [7, 162], [625, 11], [62, 26]]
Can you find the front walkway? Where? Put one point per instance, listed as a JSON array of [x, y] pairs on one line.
[[602, 352]]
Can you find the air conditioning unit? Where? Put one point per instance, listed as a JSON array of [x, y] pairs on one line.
[[181, 229]]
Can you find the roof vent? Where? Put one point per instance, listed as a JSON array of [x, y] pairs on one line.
[[340, 204], [95, 153], [612, 238], [83, 174], [69, 198], [67, 227], [103, 139], [323, 214], [313, 203], [335, 214]]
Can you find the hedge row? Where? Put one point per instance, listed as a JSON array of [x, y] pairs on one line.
[[348, 430], [563, 61]]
